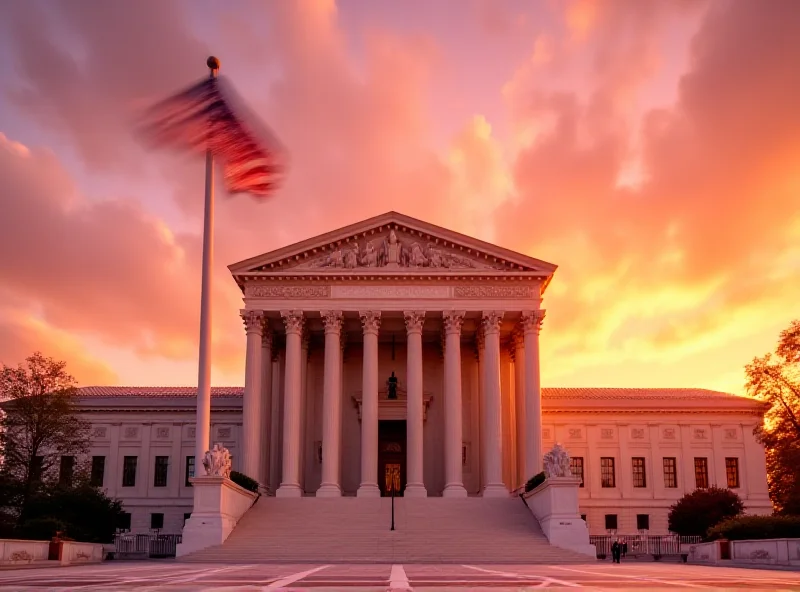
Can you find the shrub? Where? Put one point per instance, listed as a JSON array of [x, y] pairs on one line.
[[41, 529], [244, 481], [535, 482], [756, 527], [698, 511]]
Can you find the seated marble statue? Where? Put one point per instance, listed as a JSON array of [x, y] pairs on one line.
[[556, 462], [217, 461]]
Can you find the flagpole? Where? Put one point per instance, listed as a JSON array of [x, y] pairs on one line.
[[203, 429]]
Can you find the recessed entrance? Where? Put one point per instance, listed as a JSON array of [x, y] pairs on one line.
[[391, 454]]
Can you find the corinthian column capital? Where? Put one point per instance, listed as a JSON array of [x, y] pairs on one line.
[[453, 320], [532, 320], [491, 320], [253, 321], [332, 319], [414, 320], [371, 321], [294, 321]]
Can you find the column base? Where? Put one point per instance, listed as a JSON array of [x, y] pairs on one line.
[[495, 490], [415, 490], [329, 490], [454, 490], [368, 490], [289, 490]]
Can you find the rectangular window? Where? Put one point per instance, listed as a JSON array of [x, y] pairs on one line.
[[607, 477], [611, 522], [65, 470], [124, 521], [670, 472], [160, 477], [701, 472], [98, 470], [36, 468], [576, 466], [129, 471], [189, 470], [639, 474], [642, 521], [156, 521], [732, 471]]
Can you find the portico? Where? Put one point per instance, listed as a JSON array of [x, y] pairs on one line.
[[452, 320]]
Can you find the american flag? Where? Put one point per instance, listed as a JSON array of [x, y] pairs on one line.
[[209, 116]]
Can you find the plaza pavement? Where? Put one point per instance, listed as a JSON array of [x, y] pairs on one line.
[[145, 576]]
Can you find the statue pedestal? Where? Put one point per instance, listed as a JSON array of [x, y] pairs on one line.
[[555, 505], [218, 505]]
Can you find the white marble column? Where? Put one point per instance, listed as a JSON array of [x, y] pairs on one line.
[[371, 321], [531, 325], [453, 428], [251, 404], [290, 482], [331, 405], [266, 403], [519, 407], [493, 434], [415, 486], [304, 414]]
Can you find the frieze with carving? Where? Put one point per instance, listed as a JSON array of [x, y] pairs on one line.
[[575, 433], [494, 292], [606, 433], [637, 433], [668, 433], [730, 434], [131, 432], [162, 433], [700, 434], [299, 292], [99, 432]]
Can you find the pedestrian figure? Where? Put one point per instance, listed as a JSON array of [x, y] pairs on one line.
[[625, 549], [615, 551]]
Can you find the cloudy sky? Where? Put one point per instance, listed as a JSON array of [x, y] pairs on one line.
[[650, 149]]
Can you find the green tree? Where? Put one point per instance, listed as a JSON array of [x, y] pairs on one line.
[[695, 513], [775, 379], [39, 425], [83, 512]]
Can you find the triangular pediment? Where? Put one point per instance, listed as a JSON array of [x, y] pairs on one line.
[[390, 242]]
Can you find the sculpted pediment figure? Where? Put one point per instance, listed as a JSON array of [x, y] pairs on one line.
[[556, 462]]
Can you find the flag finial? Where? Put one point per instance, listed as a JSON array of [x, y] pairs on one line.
[[213, 64]]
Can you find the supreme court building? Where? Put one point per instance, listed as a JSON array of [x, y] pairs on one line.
[[396, 344]]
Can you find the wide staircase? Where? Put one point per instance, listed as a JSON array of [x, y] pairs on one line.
[[357, 530]]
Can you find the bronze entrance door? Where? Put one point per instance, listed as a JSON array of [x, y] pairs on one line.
[[391, 454]]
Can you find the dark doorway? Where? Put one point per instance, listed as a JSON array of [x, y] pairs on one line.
[[391, 452]]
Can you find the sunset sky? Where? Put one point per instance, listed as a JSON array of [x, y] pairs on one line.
[[650, 149]]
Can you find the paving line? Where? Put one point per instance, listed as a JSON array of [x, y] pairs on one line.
[[149, 578], [398, 580], [545, 579], [202, 574], [638, 578], [292, 578]]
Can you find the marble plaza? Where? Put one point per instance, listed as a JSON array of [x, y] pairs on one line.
[[396, 345]]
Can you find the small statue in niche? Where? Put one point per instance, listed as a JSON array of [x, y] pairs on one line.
[[391, 387]]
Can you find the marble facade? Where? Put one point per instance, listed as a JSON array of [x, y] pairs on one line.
[[396, 343]]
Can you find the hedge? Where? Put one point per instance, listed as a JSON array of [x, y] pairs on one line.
[[244, 481], [534, 482], [756, 527]]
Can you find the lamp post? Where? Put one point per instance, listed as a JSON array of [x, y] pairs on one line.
[[393, 484]]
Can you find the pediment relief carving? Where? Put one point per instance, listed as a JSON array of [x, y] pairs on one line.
[[392, 249], [397, 250]]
